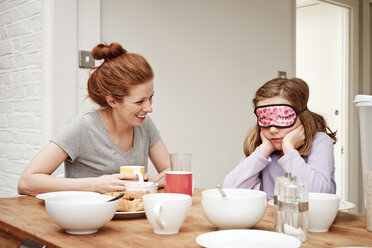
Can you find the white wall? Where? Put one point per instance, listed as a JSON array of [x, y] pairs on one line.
[[88, 35], [21, 41], [209, 58]]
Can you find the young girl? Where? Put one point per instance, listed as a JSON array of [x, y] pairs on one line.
[[95, 144], [287, 138]]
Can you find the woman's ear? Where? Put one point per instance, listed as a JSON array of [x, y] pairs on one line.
[[111, 101]]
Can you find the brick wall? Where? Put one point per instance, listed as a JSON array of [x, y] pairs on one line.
[[21, 41]]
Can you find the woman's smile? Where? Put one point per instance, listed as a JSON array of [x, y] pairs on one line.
[[142, 117]]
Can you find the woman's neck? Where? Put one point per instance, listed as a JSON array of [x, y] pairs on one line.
[[113, 124], [122, 135]]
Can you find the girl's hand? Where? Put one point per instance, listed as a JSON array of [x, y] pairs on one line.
[[112, 183], [294, 139], [266, 148]]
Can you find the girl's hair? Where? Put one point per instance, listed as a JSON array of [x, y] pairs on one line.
[[296, 91], [119, 72]]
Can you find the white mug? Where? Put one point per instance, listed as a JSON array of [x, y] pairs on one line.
[[166, 211]]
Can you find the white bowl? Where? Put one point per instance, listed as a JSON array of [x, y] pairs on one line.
[[241, 208], [64, 193], [81, 214], [142, 186], [322, 211]]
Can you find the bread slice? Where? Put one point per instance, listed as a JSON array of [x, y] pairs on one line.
[[131, 201]]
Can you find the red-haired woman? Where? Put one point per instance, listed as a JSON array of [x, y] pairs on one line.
[[95, 144]]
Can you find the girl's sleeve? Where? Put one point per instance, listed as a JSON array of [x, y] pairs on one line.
[[245, 174], [318, 171]]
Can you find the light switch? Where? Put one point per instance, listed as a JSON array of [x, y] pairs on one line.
[[85, 59], [282, 74]]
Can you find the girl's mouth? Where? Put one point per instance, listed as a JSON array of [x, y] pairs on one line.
[[276, 139], [141, 116]]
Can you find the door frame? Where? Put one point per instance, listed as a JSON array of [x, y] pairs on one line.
[[64, 36], [352, 171], [59, 63], [339, 148], [366, 55]]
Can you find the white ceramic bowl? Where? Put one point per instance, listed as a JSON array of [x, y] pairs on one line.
[[241, 208], [81, 214], [322, 211], [142, 186], [65, 193]]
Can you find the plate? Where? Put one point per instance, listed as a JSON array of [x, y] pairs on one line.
[[344, 205], [129, 215], [64, 193], [247, 238]]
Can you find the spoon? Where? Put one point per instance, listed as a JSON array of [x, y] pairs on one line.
[[158, 179], [117, 197], [220, 190]]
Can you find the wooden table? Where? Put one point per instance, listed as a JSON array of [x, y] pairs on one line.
[[25, 217]]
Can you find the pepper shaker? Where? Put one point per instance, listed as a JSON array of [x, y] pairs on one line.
[[279, 181], [293, 208]]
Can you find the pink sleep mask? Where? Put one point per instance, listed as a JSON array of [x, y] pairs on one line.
[[276, 115]]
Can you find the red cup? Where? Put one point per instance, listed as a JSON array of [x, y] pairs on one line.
[[178, 182]]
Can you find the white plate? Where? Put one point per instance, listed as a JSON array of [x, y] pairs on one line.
[[247, 238], [344, 205], [129, 215], [64, 193]]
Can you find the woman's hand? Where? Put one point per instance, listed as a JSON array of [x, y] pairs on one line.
[[146, 177], [294, 139], [113, 182], [266, 148]]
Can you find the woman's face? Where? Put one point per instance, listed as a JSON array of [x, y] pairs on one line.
[[134, 107], [273, 134]]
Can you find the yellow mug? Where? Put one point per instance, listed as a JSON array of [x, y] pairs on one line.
[[134, 169]]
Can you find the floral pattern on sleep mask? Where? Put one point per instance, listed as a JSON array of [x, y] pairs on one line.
[[276, 115]]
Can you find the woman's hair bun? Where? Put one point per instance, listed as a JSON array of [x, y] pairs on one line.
[[107, 52]]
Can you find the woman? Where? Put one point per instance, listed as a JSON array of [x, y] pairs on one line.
[[95, 144]]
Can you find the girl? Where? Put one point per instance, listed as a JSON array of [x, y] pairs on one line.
[[95, 144], [287, 138]]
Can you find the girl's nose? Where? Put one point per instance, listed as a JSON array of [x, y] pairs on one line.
[[273, 130]]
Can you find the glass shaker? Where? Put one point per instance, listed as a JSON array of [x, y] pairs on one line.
[[293, 208], [279, 181]]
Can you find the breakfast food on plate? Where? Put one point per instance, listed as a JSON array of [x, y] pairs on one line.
[[131, 201]]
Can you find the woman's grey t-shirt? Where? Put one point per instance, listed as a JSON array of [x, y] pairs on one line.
[[93, 153]]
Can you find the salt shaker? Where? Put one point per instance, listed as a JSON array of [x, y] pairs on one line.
[[293, 208], [277, 189]]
